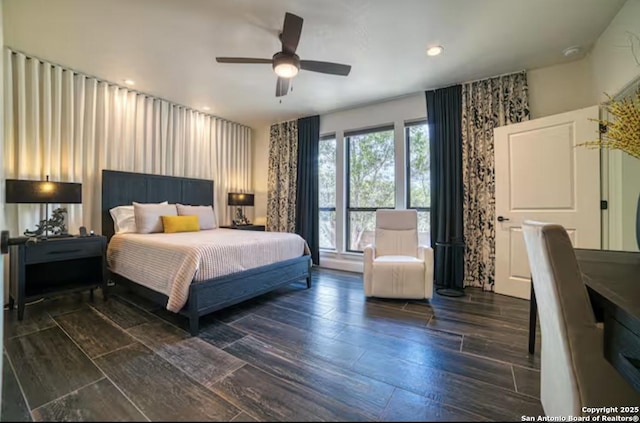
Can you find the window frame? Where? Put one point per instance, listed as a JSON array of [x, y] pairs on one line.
[[348, 209], [329, 137], [407, 148]]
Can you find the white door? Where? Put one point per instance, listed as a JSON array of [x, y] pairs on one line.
[[541, 175]]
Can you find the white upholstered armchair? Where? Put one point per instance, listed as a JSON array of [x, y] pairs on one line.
[[396, 266]]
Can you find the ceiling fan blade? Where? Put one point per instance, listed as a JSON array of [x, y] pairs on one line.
[[291, 31], [325, 67], [282, 86], [242, 60]]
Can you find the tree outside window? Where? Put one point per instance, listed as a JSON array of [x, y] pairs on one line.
[[371, 183], [419, 177], [327, 192]]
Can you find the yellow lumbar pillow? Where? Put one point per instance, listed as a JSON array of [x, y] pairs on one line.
[[174, 224]]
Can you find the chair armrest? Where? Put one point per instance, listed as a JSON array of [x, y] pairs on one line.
[[369, 254], [426, 254]]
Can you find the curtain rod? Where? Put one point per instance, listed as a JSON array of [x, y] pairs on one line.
[[78, 73], [494, 76], [284, 121], [477, 80]]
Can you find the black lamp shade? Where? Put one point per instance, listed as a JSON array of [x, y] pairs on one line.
[[38, 192], [240, 199]]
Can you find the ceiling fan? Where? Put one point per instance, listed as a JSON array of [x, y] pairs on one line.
[[286, 63]]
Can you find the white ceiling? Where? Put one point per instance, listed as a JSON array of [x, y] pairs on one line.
[[168, 46]]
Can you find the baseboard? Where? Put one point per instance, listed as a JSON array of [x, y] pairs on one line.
[[337, 264]]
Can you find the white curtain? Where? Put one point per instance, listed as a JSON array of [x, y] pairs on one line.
[[71, 126]]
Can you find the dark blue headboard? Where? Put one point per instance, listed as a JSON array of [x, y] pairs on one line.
[[123, 188]]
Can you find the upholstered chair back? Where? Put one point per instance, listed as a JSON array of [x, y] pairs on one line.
[[396, 233], [565, 314]]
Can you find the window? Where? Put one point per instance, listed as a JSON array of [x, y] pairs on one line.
[[367, 170], [370, 182], [327, 192], [419, 177]]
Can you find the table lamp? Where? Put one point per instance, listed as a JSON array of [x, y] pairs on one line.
[[241, 200], [20, 191]]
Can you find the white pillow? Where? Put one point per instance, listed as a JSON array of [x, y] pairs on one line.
[[124, 221], [149, 216], [206, 216]]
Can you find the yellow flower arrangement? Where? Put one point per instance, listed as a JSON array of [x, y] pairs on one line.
[[623, 132]]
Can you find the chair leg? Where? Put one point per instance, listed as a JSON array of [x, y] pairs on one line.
[[533, 311]]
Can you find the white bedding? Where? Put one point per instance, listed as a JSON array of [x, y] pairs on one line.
[[168, 263]]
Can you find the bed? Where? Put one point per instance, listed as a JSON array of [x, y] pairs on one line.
[[203, 296]]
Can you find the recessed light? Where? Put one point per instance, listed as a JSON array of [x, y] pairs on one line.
[[130, 82], [206, 108], [572, 51], [435, 50]]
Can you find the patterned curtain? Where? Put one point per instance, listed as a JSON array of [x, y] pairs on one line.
[[283, 165], [486, 104]]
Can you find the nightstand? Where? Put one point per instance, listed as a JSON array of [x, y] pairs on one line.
[[246, 227], [56, 266]]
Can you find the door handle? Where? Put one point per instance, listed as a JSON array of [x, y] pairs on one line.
[[502, 219]]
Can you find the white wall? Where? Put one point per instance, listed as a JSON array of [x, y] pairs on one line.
[[560, 88], [613, 67], [401, 109], [608, 68]]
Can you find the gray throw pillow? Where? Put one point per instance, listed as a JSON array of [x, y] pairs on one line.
[[206, 216], [148, 216]]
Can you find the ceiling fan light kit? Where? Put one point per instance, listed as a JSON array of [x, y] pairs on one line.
[[286, 63]]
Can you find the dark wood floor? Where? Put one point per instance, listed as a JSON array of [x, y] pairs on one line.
[[325, 353]]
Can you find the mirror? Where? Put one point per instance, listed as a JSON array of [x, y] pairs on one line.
[[621, 188]]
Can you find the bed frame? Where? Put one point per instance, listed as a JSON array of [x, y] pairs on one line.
[[122, 188]]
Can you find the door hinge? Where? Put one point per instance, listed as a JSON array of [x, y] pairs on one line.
[[603, 128], [604, 205], [4, 242]]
